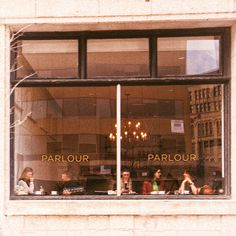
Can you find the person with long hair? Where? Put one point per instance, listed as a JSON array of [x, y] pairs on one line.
[[156, 183], [26, 180]]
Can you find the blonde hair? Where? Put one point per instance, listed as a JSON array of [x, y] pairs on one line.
[[24, 172]]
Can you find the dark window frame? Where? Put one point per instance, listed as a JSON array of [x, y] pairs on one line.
[[152, 35]]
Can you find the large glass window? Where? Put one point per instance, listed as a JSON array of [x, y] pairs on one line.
[[61, 130], [73, 130], [156, 135], [138, 134], [47, 58], [188, 55], [118, 57]]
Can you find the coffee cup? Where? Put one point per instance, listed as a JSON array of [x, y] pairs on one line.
[[53, 192]]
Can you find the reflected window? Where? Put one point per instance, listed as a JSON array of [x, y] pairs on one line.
[[47, 59], [188, 55], [169, 144], [70, 139], [118, 57]]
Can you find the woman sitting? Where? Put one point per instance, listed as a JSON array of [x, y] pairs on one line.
[[26, 180], [156, 183]]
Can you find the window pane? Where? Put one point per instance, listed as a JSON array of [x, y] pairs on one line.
[[47, 58], [59, 130], [188, 55], [118, 57], [159, 132]]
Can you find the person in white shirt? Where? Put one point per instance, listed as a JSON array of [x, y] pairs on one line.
[[26, 180]]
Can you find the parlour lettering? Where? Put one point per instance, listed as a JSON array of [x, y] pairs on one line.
[[163, 157], [65, 158]]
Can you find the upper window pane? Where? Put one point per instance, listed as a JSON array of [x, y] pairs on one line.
[[188, 55], [118, 57], [47, 58]]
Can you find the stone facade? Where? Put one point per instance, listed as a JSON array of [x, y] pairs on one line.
[[96, 217]]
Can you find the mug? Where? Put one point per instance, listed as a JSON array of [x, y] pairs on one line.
[[53, 192]]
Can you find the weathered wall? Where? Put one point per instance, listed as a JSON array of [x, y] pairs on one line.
[[154, 217], [121, 225]]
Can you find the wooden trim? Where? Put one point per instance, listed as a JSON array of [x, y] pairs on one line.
[[111, 81], [122, 197], [226, 52], [227, 138], [12, 146], [122, 33], [224, 33], [82, 58], [153, 56]]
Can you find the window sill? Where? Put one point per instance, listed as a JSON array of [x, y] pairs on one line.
[[122, 207]]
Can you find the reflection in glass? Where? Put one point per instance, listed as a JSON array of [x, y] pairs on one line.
[[63, 130], [177, 139], [47, 58], [118, 57], [188, 55], [69, 129]]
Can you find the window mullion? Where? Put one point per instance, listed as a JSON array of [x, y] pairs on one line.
[[118, 140]]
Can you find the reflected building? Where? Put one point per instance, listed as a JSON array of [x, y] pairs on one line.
[[206, 120]]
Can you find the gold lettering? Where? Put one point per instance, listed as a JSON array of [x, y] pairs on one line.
[[85, 158], [78, 159], [69, 158], [44, 157], [63, 160], [185, 157], [50, 158], [157, 158], [150, 157], [164, 157], [170, 158], [177, 159], [57, 157], [193, 157]]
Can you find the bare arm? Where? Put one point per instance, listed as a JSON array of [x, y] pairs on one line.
[[191, 184]]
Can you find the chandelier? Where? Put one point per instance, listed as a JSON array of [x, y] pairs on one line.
[[130, 131]]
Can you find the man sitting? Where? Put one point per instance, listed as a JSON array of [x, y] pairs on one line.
[[68, 186]]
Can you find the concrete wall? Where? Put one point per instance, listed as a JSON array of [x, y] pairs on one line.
[[121, 225], [95, 8], [94, 217]]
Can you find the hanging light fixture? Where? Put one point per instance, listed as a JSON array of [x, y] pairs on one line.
[[131, 131]]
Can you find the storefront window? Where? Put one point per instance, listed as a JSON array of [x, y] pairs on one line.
[[162, 140], [138, 134], [47, 59], [188, 56], [118, 57], [65, 130], [62, 131]]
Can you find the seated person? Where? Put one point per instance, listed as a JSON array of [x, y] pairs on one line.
[[126, 182], [26, 181], [189, 185], [68, 186], [156, 183], [206, 190]]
